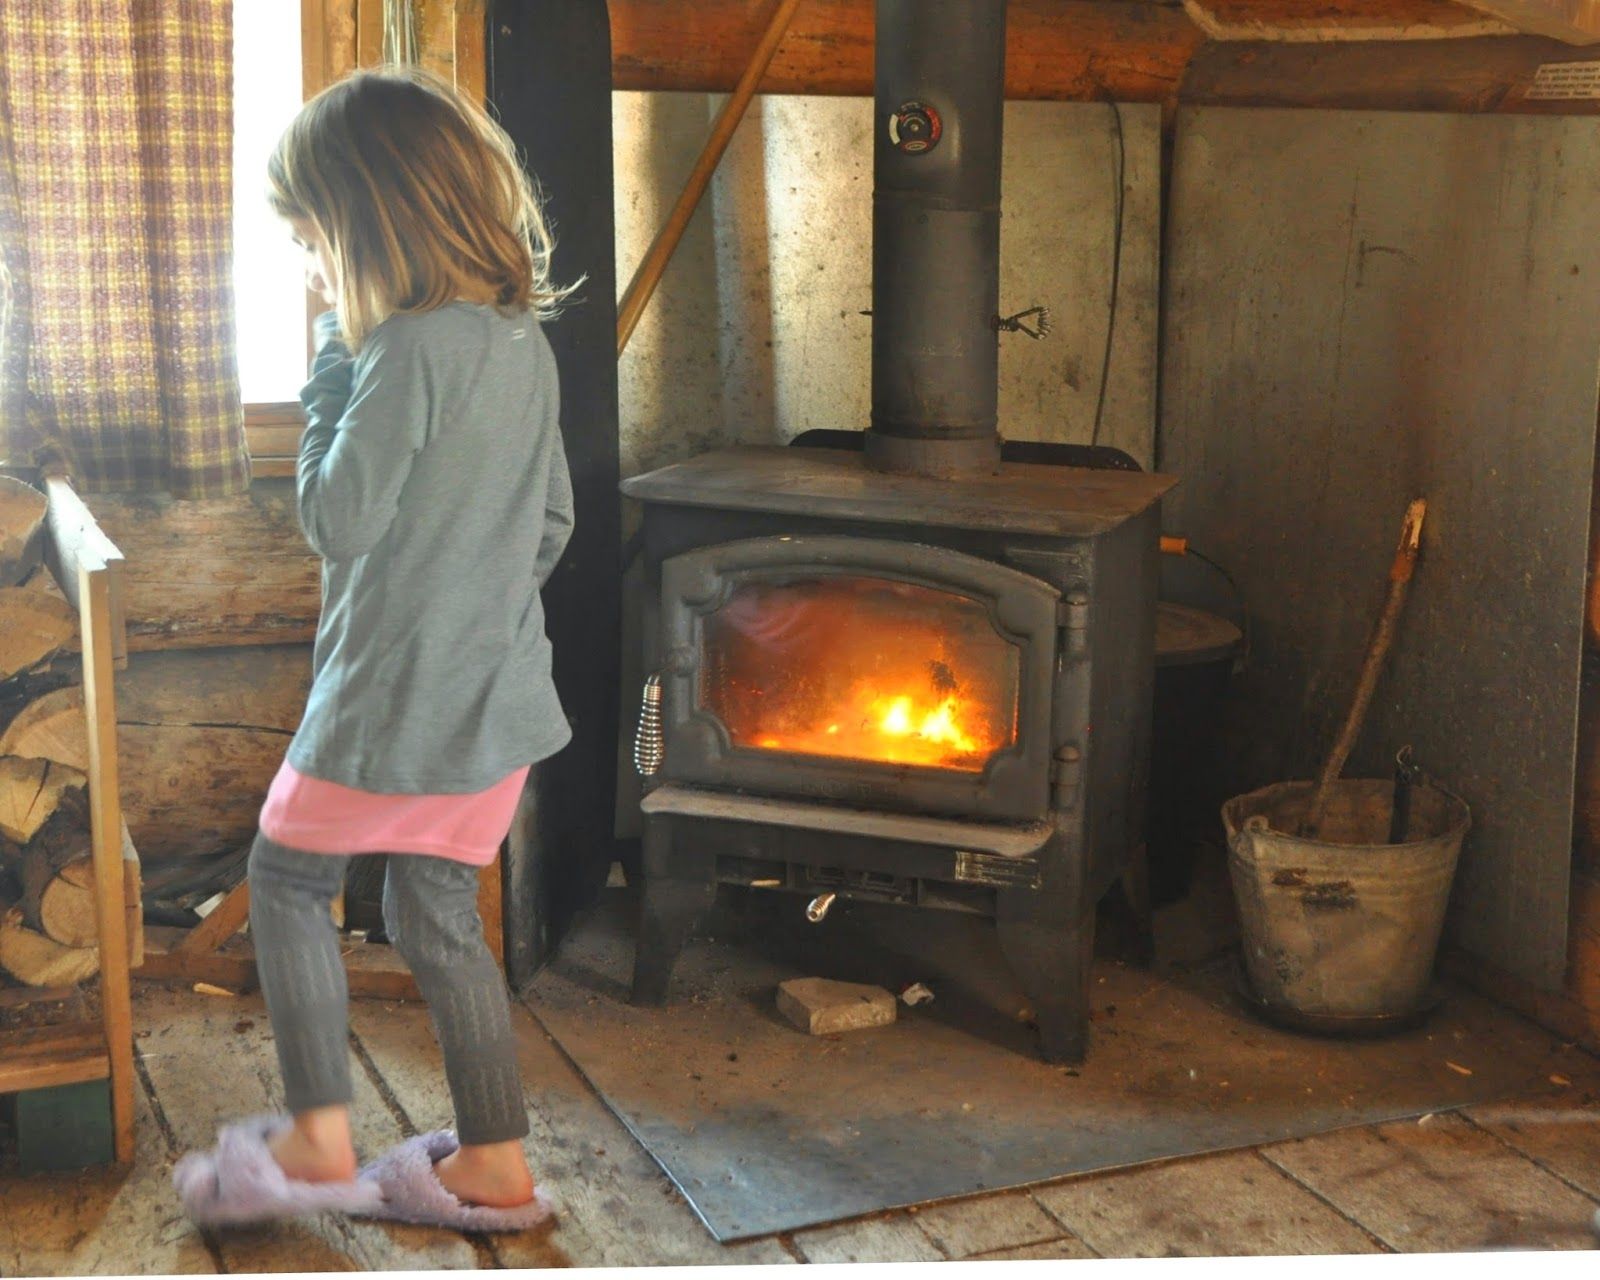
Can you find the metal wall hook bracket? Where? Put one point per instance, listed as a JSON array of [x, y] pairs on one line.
[[1014, 324]]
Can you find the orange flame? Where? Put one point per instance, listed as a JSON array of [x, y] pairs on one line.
[[901, 719], [898, 728], [862, 669]]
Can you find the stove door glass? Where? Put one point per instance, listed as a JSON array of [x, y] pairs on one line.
[[861, 668]]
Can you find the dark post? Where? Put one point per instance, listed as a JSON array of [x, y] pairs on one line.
[[549, 74], [939, 103]]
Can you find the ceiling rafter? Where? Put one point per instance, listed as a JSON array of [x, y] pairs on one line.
[[1294, 21], [1574, 21]]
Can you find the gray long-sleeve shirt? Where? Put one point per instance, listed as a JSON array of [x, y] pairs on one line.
[[433, 484]]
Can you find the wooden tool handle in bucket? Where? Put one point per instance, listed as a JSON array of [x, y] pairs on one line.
[[1405, 561]]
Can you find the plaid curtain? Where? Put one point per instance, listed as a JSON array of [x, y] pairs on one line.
[[117, 353]]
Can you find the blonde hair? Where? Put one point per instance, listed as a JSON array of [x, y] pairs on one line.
[[419, 197]]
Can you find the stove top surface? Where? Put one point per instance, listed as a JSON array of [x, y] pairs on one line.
[[1015, 497]]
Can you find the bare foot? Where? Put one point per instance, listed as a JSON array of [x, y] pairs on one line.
[[495, 1174], [317, 1147]]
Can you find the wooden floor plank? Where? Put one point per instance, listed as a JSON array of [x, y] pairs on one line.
[[986, 1224], [1064, 1247], [212, 1060], [1232, 1204], [615, 1207], [1517, 1175], [102, 1221], [1438, 1186], [885, 1239], [1560, 1132]]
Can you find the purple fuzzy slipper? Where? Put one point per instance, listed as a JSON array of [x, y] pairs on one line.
[[412, 1191], [238, 1181]]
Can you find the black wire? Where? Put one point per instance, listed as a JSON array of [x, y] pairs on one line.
[[1116, 273]]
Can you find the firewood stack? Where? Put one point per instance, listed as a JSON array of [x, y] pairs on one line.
[[48, 935]]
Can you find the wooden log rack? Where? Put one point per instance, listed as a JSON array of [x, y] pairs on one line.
[[87, 566]]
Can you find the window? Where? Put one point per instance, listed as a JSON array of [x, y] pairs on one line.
[[268, 276]]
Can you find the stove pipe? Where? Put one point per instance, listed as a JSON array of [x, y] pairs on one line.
[[939, 98]]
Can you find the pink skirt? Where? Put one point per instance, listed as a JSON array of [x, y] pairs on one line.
[[325, 817]]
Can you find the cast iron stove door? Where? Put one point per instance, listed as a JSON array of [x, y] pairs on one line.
[[873, 673]]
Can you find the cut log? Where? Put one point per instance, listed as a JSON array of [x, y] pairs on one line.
[[33, 625], [56, 869], [22, 510], [66, 905], [50, 728], [30, 791], [39, 961], [21, 692]]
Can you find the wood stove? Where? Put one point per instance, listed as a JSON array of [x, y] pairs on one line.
[[911, 672]]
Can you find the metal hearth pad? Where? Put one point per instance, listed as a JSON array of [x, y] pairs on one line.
[[766, 1129]]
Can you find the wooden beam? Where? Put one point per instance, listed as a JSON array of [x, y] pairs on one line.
[[44, 1057], [21, 997], [1334, 20], [225, 920], [1448, 75], [1572, 21], [373, 971], [1421, 55], [1057, 49]]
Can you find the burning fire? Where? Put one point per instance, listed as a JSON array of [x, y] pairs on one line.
[[901, 720], [897, 727], [862, 669]]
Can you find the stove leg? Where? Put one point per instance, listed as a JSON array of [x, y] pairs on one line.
[[671, 905], [1135, 884], [1051, 953]]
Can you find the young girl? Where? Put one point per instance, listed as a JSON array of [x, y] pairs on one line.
[[433, 485]]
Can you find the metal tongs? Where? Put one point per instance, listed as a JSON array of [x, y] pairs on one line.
[[1407, 773]]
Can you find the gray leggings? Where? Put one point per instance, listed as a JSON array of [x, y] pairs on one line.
[[430, 908]]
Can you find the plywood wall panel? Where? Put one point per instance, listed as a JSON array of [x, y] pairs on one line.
[[1362, 309], [758, 333]]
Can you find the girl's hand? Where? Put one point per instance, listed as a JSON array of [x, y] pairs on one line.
[[327, 391], [327, 336]]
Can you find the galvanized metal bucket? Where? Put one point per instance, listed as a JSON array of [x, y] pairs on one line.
[[1344, 925]]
